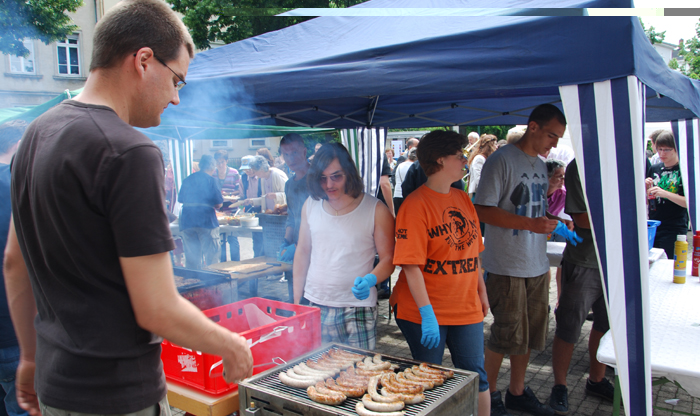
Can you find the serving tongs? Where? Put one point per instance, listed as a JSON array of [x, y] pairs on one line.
[[276, 361], [275, 333]]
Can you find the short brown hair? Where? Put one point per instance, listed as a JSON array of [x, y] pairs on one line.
[[437, 144], [666, 139], [265, 152], [544, 113], [135, 24], [324, 156], [221, 154]]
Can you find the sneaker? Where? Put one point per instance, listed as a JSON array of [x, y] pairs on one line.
[[497, 407], [559, 400], [527, 402], [603, 389], [283, 279]]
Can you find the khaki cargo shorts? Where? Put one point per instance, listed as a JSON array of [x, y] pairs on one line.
[[520, 315]]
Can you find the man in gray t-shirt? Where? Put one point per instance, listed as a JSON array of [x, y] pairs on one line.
[[512, 201]]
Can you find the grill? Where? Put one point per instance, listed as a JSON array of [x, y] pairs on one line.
[[270, 397]]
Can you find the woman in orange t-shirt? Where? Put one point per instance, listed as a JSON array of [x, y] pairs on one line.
[[440, 297]]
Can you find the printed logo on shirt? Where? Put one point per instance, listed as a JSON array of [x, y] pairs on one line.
[[402, 234], [530, 193], [443, 267], [456, 229]]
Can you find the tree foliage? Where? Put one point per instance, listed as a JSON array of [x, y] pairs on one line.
[[45, 20], [232, 20], [690, 51], [652, 34]]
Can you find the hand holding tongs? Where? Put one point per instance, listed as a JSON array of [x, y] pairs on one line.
[[275, 332]]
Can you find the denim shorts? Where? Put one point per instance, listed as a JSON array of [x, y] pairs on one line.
[[465, 342]]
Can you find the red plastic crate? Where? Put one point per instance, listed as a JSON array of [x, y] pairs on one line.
[[297, 331]]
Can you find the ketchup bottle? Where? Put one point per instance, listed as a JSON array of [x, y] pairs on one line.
[[696, 253]]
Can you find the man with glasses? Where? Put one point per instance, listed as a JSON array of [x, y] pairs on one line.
[[87, 253], [665, 188]]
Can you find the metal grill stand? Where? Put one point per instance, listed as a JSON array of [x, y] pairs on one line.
[[264, 394]]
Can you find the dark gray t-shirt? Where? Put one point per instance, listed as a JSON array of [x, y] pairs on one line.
[[87, 189], [517, 183], [582, 254], [296, 191]]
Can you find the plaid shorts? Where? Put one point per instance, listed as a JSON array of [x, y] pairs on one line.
[[353, 326]]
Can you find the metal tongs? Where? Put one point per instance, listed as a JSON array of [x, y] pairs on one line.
[[275, 332], [276, 361]]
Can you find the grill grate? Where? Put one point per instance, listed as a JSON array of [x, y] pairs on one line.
[[272, 382]]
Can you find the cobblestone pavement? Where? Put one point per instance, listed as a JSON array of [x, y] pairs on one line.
[[539, 376]]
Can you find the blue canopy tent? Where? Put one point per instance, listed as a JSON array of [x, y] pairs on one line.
[[449, 69]]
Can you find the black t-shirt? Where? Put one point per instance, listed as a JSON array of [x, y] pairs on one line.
[[296, 191], [199, 194], [87, 189], [7, 331], [386, 171], [671, 215], [415, 177]]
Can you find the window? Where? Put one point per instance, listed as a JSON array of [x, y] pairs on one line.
[[68, 56], [24, 65]]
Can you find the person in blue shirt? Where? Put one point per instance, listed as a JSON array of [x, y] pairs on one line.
[[10, 134], [200, 196]]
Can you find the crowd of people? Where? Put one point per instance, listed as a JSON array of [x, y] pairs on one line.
[[89, 281]]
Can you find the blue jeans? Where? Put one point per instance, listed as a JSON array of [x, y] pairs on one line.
[[466, 344], [9, 359]]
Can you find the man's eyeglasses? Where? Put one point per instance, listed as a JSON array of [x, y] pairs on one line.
[[335, 178], [664, 150], [180, 83]]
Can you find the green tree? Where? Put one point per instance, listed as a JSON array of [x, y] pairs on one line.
[[232, 20], [690, 51], [45, 20], [652, 34]]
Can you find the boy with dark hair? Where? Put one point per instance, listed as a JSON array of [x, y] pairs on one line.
[[512, 201], [88, 251]]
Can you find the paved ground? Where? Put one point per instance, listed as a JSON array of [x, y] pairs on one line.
[[539, 376]]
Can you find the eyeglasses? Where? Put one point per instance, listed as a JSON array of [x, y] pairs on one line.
[[664, 150], [335, 178], [180, 83]]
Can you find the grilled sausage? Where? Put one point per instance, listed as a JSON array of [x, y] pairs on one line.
[[346, 390], [360, 409], [333, 399], [296, 382], [382, 407], [425, 367], [406, 398]]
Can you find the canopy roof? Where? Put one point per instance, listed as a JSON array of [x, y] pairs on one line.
[[415, 71]]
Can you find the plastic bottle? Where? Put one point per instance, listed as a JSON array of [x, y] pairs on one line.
[[652, 203], [679, 259], [696, 253]]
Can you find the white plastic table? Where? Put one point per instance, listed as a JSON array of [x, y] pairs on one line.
[[675, 328]]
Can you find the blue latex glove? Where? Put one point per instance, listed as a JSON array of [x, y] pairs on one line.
[[569, 235], [288, 256], [283, 247], [429, 327], [363, 285]]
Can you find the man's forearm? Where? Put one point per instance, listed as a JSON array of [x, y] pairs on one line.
[[20, 297], [502, 218]]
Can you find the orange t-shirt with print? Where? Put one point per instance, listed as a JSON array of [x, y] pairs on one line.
[[439, 233]]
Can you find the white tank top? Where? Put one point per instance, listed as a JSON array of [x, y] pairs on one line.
[[342, 249]]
